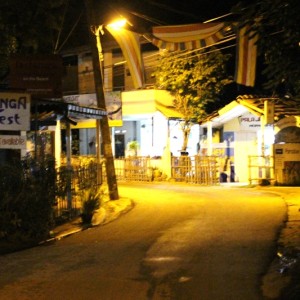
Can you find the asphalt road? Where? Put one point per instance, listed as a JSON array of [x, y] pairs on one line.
[[179, 242]]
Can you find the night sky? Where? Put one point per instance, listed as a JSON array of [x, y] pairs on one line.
[[144, 14], [147, 13]]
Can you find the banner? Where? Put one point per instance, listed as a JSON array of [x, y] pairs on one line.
[[129, 43], [246, 57], [187, 37]]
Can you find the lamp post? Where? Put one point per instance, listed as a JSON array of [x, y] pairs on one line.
[[102, 125]]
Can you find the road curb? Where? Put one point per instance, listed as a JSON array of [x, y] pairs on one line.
[[109, 212]]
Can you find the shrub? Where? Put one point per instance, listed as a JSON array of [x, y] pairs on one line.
[[91, 200], [27, 193]]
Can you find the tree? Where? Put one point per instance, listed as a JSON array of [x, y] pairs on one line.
[[277, 24], [195, 80]]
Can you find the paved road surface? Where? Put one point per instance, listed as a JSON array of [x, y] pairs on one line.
[[180, 242]]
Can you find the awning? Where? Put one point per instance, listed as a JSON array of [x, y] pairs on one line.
[[47, 112]]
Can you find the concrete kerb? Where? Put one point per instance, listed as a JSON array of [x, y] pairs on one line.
[[108, 212]]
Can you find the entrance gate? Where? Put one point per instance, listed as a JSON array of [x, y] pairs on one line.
[[192, 169], [196, 169]]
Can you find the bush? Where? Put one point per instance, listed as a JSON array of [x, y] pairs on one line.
[[91, 200], [27, 193]]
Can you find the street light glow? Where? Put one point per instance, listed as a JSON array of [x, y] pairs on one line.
[[118, 24]]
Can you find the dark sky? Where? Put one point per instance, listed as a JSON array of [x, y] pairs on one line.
[[147, 13], [143, 14]]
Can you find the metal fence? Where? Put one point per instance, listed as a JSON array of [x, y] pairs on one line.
[[70, 181], [196, 169], [260, 168]]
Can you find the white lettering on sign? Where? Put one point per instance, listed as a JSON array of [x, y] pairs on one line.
[[12, 142], [14, 111]]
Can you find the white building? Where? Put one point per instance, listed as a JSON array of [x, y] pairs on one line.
[[257, 127]]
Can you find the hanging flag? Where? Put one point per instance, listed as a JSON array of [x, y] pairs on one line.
[[187, 37], [129, 43], [246, 57]]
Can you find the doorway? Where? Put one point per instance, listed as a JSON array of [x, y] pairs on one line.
[[119, 145]]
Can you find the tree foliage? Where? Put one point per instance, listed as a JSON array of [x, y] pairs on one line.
[[195, 80], [278, 24], [27, 195]]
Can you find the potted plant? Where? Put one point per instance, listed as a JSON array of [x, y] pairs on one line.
[[133, 146], [91, 201]]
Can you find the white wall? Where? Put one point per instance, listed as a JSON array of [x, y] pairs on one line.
[[245, 144]]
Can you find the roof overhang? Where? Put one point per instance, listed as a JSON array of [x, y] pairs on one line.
[[225, 114], [47, 112], [148, 101]]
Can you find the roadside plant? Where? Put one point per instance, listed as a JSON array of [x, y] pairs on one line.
[[133, 146], [91, 200]]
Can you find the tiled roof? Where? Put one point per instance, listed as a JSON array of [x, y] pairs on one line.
[[283, 107]]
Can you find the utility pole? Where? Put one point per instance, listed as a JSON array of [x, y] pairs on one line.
[[103, 123]]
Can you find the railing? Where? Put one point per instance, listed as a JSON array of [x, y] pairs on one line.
[[196, 169], [135, 168], [261, 169], [70, 182]]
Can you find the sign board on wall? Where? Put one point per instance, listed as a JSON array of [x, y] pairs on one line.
[[112, 101], [249, 122], [287, 163], [12, 142], [39, 75], [14, 111]]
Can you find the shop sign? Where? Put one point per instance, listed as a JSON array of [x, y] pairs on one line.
[[113, 105], [287, 163], [14, 111], [12, 142], [39, 75]]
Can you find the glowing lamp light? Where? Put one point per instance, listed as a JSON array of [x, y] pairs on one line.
[[118, 24]]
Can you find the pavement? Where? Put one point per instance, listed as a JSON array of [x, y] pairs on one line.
[[281, 281]]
